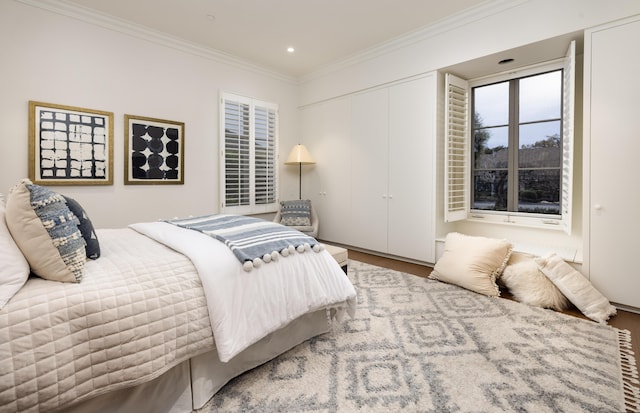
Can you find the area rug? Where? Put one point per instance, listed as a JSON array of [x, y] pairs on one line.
[[418, 345]]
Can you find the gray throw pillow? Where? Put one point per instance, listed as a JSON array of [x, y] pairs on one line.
[[295, 213]]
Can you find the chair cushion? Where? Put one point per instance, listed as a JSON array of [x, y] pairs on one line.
[[296, 213], [305, 229]]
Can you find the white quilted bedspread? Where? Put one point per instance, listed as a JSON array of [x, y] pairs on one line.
[[139, 310]]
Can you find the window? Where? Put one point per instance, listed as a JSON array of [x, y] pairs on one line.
[[248, 155], [510, 146], [517, 145]]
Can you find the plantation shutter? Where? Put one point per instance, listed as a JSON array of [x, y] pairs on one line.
[[264, 155], [568, 103], [236, 153], [457, 139], [248, 155]]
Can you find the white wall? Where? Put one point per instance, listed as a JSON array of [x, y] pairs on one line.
[[501, 26], [53, 58]]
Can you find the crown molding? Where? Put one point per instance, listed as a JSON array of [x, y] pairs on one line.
[[126, 27], [465, 17]]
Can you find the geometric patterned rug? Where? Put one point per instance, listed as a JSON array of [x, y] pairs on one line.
[[418, 345]]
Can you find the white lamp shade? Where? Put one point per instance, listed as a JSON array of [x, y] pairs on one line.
[[299, 155]]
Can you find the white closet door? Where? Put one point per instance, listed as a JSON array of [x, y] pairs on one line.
[[369, 170], [411, 169], [613, 64], [327, 130]]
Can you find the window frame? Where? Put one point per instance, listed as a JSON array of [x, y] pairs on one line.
[[458, 123], [514, 137], [253, 174]]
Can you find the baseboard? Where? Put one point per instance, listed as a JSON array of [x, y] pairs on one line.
[[626, 308], [378, 253]]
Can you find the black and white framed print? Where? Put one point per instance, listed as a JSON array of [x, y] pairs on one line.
[[154, 151], [70, 145]]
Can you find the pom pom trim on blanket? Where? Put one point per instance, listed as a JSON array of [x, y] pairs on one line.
[[253, 241]]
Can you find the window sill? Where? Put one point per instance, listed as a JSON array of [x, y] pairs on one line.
[[553, 223]]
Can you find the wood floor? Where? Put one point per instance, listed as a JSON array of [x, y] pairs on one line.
[[623, 320]]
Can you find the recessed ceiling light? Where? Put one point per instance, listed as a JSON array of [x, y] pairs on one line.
[[505, 61], [290, 49]]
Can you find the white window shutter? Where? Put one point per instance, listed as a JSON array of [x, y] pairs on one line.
[[568, 103], [264, 154], [235, 152], [457, 144], [248, 155]]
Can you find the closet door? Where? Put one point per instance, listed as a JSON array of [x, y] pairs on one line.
[[369, 170], [327, 129], [612, 125], [411, 223]]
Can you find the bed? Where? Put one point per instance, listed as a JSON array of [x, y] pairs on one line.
[[159, 322]]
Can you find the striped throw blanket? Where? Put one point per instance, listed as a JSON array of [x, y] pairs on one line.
[[252, 240]]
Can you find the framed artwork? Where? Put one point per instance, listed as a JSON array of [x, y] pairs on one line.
[[70, 145], [154, 151]]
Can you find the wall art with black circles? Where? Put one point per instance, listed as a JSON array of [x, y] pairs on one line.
[[69, 145], [154, 151]]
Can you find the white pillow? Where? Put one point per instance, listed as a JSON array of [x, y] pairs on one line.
[[576, 288], [14, 271], [529, 285], [472, 262]]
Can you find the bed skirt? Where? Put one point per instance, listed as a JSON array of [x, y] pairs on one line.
[[188, 386]]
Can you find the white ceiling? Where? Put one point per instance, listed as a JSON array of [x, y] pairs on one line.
[[259, 31]]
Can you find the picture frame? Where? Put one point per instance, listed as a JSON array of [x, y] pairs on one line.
[[154, 151], [69, 145]]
